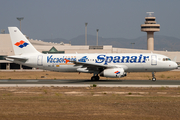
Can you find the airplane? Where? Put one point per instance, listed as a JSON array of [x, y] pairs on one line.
[[112, 65]]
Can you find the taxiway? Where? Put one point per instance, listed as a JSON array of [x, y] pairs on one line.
[[86, 83]]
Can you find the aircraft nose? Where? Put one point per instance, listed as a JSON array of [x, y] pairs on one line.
[[174, 65], [177, 67]]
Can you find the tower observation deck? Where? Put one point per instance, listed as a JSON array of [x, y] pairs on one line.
[[150, 27]]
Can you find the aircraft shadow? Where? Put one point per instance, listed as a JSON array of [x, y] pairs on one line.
[[90, 81]]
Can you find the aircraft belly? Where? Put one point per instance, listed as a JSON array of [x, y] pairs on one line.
[[68, 68], [62, 68]]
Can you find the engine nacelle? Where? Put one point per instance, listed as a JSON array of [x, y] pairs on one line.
[[113, 73]]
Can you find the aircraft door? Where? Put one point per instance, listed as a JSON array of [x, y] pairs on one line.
[[40, 60], [153, 60]]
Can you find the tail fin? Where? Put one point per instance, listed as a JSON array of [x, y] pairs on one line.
[[20, 43]]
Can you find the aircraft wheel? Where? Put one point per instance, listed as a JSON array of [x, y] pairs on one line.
[[153, 79], [97, 77], [94, 78]]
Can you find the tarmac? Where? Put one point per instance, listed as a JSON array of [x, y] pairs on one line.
[[88, 83]]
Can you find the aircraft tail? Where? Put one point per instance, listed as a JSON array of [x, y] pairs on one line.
[[20, 43]]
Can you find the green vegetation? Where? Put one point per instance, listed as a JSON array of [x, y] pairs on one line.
[[162, 76]]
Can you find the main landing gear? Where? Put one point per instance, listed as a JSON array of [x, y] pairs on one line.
[[95, 77], [153, 77]]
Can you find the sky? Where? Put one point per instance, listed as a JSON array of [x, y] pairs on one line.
[[50, 19]]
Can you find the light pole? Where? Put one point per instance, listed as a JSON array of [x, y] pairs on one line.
[[97, 36], [132, 45], [86, 33], [20, 18]]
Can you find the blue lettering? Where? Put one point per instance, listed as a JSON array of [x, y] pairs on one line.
[[145, 57], [100, 59], [108, 59], [57, 60], [54, 60], [49, 58], [61, 60], [140, 57], [104, 59], [123, 58], [73, 59], [133, 59], [116, 59]]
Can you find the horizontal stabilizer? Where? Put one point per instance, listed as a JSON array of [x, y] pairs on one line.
[[17, 58]]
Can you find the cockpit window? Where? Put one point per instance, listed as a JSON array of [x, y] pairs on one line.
[[166, 59]]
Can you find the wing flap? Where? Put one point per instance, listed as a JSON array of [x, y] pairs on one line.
[[93, 66]]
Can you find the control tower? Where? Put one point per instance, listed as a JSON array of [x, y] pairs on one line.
[[150, 27]]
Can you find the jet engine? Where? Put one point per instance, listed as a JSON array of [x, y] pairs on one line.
[[113, 73]]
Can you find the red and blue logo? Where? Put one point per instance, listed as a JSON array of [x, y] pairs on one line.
[[117, 72], [21, 44]]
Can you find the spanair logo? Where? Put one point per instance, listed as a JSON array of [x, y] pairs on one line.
[[83, 59], [117, 72], [21, 44]]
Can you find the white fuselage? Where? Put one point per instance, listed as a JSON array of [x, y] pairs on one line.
[[130, 62]]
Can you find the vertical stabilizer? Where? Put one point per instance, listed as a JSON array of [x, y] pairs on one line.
[[20, 43]]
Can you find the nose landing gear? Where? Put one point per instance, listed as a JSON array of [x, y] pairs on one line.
[[153, 77]]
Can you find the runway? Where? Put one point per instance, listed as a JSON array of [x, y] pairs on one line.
[[87, 83]]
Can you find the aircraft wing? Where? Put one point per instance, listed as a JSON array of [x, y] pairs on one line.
[[93, 66]]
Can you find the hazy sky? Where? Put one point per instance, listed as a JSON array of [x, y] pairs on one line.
[[66, 19]]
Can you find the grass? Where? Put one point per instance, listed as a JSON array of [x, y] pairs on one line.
[[162, 76], [45, 92], [33, 103]]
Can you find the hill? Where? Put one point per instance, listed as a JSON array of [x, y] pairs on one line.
[[160, 43]]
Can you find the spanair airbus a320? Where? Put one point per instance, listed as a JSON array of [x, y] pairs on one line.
[[105, 65]]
